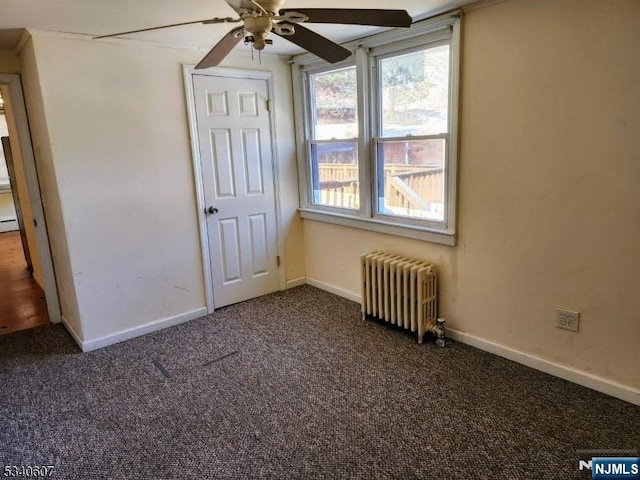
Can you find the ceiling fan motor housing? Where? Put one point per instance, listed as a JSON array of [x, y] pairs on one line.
[[259, 28], [271, 6]]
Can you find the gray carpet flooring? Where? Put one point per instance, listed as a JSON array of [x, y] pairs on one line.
[[293, 385]]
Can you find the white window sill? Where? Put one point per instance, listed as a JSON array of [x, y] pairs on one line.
[[375, 225]]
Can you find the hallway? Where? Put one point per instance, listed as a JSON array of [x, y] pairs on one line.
[[22, 301]]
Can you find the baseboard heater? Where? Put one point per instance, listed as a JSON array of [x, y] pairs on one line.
[[402, 291], [8, 224]]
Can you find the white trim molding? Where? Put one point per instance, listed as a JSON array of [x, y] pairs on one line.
[[378, 226], [341, 292], [189, 72], [296, 282], [16, 110], [72, 331], [129, 333], [594, 382], [369, 52]]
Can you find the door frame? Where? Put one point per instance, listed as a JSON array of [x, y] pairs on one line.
[[189, 72], [12, 84]]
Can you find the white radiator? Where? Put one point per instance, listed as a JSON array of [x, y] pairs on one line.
[[401, 291]]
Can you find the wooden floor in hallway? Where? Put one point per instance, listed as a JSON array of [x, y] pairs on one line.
[[22, 301]]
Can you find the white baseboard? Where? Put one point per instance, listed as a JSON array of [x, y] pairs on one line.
[[8, 225], [594, 382], [296, 282], [75, 335], [129, 333], [38, 280], [333, 289]]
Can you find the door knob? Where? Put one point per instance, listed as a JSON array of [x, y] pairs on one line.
[[212, 210]]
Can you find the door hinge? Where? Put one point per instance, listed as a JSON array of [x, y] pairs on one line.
[[278, 260], [269, 105]]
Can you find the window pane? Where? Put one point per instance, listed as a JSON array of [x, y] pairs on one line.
[[411, 178], [415, 93], [334, 172], [334, 104]]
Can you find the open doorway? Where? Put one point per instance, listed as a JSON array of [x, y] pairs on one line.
[[28, 290], [23, 304]]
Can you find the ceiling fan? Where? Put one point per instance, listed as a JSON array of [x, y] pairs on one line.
[[261, 17]]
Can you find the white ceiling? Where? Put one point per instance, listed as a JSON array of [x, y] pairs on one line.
[[99, 17]]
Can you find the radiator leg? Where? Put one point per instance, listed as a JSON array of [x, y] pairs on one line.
[[439, 331]]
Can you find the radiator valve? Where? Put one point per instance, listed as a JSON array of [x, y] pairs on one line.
[[439, 331]]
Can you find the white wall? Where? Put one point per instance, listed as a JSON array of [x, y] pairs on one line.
[[119, 173], [48, 187], [4, 131], [7, 208], [549, 207]]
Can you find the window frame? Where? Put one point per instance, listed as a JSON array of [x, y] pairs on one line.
[[309, 140], [444, 29]]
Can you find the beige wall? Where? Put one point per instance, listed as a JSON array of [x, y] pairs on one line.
[[549, 208], [112, 140], [9, 63]]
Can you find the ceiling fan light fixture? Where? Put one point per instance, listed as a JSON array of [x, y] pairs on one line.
[[260, 40]]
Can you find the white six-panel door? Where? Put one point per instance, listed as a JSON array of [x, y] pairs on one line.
[[234, 139]]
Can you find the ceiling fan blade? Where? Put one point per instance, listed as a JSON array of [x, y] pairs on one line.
[[221, 49], [316, 44], [205, 22], [355, 16]]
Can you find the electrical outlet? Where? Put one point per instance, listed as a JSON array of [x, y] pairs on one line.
[[567, 319]]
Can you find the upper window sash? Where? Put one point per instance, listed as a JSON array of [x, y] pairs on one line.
[[348, 102], [378, 84]]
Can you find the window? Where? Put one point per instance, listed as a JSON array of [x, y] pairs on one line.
[[333, 146], [413, 104], [378, 136]]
